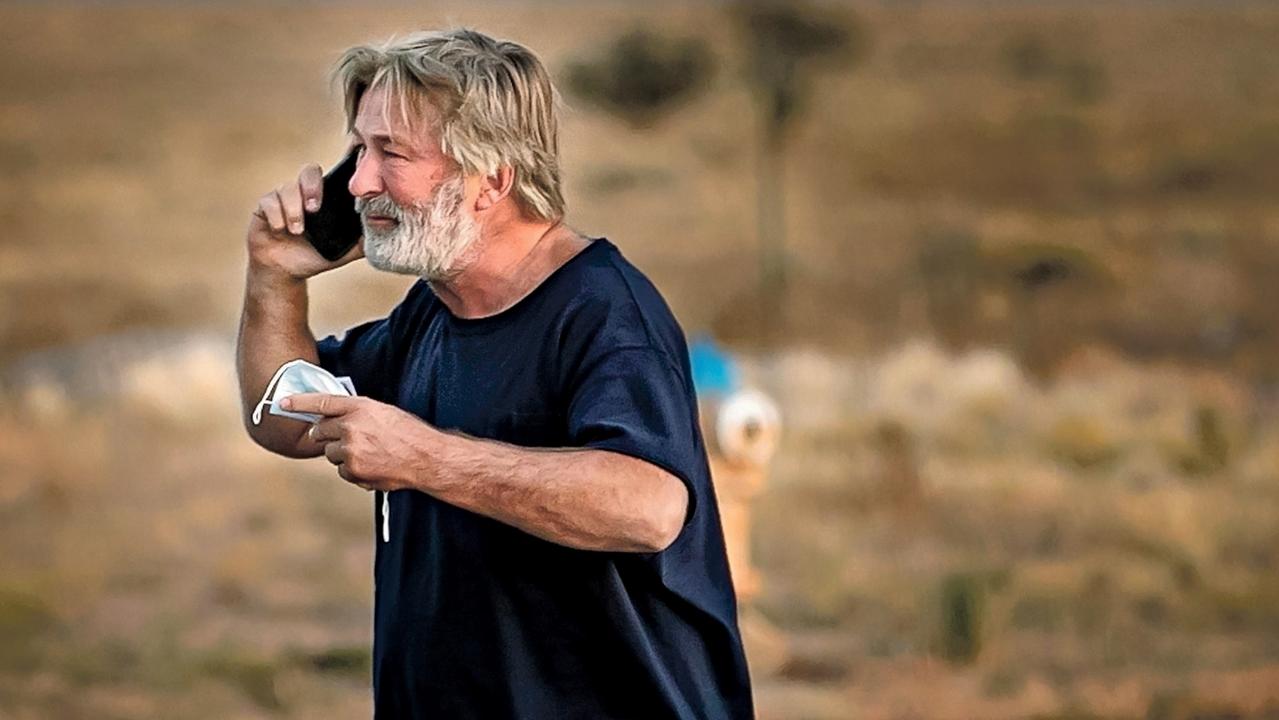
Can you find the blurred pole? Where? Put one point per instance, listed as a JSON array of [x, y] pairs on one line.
[[785, 42], [776, 100], [772, 203]]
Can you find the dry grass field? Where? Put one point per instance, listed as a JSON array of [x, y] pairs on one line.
[[1027, 365]]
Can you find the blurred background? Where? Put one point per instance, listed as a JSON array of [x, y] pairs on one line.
[[1010, 271]]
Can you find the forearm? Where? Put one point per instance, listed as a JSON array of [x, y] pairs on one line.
[[586, 499], [273, 330]]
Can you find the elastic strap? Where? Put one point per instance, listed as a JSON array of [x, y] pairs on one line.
[[279, 373]]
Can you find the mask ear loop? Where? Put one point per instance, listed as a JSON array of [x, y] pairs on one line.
[[386, 516], [279, 373]]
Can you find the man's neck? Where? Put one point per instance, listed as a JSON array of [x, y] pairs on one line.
[[507, 265]]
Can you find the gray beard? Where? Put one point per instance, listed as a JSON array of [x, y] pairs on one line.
[[429, 240]]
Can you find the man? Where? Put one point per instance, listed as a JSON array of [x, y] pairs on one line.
[[548, 544]]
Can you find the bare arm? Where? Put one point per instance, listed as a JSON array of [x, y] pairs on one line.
[[587, 499], [273, 331], [583, 498], [274, 328]]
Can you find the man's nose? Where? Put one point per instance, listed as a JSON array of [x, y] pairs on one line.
[[366, 181]]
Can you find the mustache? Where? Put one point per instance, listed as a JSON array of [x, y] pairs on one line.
[[381, 205]]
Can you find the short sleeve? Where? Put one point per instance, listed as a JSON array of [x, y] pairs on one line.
[[635, 401], [362, 353], [370, 353]]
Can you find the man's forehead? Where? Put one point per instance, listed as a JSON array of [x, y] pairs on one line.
[[378, 119]]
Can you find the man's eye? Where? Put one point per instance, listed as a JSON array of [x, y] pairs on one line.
[[388, 153]]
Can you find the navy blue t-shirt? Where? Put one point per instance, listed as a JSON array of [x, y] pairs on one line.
[[474, 618]]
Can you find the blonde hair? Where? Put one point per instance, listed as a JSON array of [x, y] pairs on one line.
[[494, 99]]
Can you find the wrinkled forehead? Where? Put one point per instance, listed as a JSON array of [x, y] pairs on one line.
[[408, 120]]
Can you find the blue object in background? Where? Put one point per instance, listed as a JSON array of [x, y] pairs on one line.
[[715, 373]]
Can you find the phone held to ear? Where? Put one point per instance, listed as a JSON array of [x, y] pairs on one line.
[[335, 228]]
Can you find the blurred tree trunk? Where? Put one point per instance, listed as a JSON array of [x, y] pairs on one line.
[[771, 219], [785, 43]]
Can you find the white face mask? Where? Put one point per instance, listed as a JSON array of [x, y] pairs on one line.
[[300, 376]]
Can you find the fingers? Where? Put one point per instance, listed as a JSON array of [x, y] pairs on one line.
[[291, 205], [311, 183], [351, 478], [326, 430], [355, 253], [320, 404], [269, 208], [335, 453], [282, 207]]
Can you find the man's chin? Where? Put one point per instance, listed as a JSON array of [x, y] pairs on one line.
[[386, 253], [379, 263], [385, 264]]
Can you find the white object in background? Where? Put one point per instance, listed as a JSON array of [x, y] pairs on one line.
[[296, 377], [748, 427]]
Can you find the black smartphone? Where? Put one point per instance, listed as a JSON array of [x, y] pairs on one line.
[[335, 228]]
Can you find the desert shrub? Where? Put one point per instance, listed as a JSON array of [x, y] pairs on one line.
[[1041, 612], [815, 670], [1254, 607], [618, 179], [112, 661], [356, 660], [25, 619], [642, 76], [1234, 164], [1004, 682], [950, 268], [1084, 442], [1171, 705], [1031, 58], [962, 608], [785, 40], [1210, 440], [1027, 57], [254, 676]]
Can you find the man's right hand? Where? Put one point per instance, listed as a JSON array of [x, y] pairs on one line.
[[275, 240]]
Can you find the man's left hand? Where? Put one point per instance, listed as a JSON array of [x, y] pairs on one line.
[[374, 445]]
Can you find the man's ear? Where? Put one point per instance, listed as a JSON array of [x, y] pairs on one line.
[[495, 187]]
